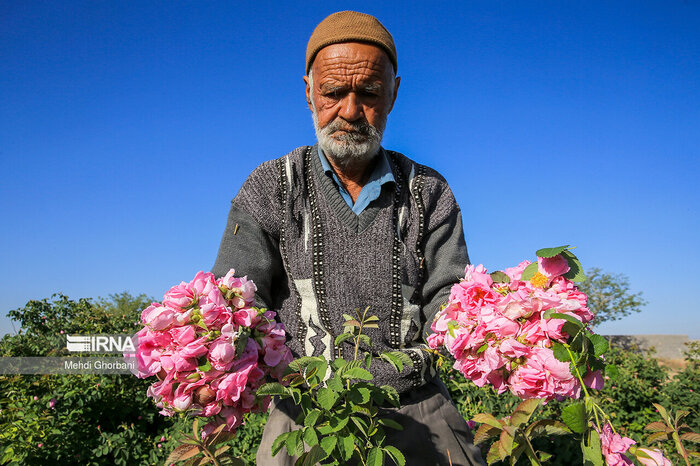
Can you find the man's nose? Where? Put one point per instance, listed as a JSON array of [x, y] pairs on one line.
[[350, 107]]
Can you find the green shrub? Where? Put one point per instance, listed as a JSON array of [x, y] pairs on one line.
[[107, 419]]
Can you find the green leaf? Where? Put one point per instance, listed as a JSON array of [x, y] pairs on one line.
[[575, 273], [294, 443], [361, 410], [294, 380], [326, 398], [529, 272], [343, 337], [656, 436], [507, 438], [600, 344], [663, 412], [359, 394], [338, 422], [397, 365], [499, 277], [206, 367], [361, 424], [300, 363], [396, 455], [551, 252], [311, 419], [547, 427], [398, 359], [493, 456], [319, 368], [335, 384], [691, 437], [346, 445], [572, 330], [657, 426], [390, 423], [241, 342], [375, 457], [314, 456], [592, 452], [329, 443], [560, 352], [273, 388], [485, 432], [278, 443], [391, 395], [566, 317], [574, 416], [489, 419], [365, 339], [182, 453], [310, 436], [357, 373], [522, 413]]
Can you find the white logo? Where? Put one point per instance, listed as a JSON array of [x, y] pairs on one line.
[[78, 343], [100, 344]]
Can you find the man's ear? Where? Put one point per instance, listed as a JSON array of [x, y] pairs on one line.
[[308, 93], [397, 82]]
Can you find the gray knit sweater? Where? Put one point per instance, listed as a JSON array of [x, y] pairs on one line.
[[313, 259]]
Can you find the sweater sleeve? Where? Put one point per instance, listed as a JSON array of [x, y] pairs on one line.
[[445, 249], [250, 243]]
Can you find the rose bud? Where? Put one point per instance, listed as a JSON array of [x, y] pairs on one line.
[[204, 396]]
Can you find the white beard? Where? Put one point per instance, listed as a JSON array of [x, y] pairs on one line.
[[348, 148]]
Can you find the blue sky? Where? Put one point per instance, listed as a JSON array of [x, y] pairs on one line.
[[127, 127]]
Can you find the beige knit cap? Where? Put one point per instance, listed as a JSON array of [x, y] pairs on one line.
[[350, 26]]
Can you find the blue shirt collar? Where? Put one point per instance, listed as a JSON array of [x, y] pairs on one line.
[[381, 175]]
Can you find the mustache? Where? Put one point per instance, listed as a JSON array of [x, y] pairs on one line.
[[352, 128]]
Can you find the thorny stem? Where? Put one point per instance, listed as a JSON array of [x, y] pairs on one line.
[[594, 407], [532, 450], [209, 455], [583, 385], [359, 332]]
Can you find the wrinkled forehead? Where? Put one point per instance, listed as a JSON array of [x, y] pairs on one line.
[[353, 58]]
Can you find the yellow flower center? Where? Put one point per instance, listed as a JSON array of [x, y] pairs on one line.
[[538, 280]]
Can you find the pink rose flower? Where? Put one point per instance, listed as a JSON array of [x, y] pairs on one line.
[[180, 297], [594, 380], [543, 376], [158, 317], [197, 319], [515, 273], [614, 447], [221, 353], [552, 267], [656, 457]]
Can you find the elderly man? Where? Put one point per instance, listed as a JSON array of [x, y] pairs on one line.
[[346, 224]]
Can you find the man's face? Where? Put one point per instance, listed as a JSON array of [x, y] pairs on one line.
[[353, 91]]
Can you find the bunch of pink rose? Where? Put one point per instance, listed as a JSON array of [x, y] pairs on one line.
[[614, 446], [500, 330], [211, 348]]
